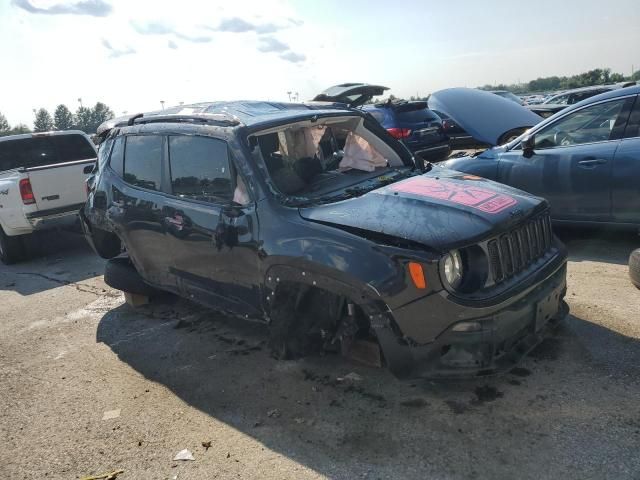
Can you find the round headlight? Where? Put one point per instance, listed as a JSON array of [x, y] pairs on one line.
[[453, 268]]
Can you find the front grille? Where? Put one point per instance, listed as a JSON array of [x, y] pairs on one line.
[[514, 251]]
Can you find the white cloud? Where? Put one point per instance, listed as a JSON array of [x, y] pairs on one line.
[[96, 8], [116, 52]]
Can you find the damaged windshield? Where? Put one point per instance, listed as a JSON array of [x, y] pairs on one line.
[[326, 159]]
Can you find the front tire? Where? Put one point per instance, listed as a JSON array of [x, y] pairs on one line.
[[11, 248], [119, 273]]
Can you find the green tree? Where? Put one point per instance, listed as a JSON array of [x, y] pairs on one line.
[[100, 113], [62, 118], [43, 121], [83, 119], [19, 129], [4, 125], [635, 76]]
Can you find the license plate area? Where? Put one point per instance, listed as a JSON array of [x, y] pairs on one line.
[[545, 309]]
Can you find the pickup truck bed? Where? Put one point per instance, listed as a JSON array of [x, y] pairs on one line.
[[37, 191]]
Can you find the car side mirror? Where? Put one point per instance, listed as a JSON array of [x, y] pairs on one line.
[[527, 143]]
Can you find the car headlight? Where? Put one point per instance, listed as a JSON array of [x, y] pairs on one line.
[[453, 269]]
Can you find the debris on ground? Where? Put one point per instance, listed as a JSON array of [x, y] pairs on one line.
[[365, 352], [111, 414], [417, 402], [275, 413], [206, 445], [184, 455], [486, 393], [105, 476], [350, 377]]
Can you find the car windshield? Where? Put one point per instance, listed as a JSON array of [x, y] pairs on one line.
[[326, 159]]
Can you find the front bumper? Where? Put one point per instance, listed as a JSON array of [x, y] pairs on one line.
[[506, 335]]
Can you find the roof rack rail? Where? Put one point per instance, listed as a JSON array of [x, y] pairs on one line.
[[133, 119]]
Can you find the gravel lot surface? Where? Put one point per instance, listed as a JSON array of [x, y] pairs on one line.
[[89, 385]]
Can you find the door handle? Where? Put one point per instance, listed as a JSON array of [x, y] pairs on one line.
[[592, 162]]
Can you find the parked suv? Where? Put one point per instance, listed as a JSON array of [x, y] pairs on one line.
[[314, 219], [41, 185], [420, 129]]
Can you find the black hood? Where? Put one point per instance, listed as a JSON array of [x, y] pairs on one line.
[[442, 209], [484, 115]]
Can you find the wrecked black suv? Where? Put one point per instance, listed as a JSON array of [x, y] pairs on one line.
[[312, 218]]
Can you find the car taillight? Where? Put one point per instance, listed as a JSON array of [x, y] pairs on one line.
[[399, 133], [26, 192]]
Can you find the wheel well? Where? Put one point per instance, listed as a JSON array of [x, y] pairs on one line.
[[308, 318]]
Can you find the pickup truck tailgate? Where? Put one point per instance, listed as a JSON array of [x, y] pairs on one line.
[[59, 187]]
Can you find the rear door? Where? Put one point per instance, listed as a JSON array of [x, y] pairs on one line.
[[58, 168], [625, 183], [137, 204], [212, 228]]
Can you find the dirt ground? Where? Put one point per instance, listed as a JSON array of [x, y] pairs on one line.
[[89, 385]]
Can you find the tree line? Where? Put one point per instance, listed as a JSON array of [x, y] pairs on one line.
[[597, 76], [86, 119]]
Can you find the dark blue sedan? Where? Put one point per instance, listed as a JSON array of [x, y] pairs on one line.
[[585, 159]]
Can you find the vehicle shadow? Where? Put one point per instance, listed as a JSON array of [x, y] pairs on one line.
[[302, 409], [598, 245], [54, 259]]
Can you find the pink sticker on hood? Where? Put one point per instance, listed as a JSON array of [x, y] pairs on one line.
[[466, 193]]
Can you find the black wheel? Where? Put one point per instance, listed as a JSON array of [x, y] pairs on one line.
[[634, 267], [11, 248], [119, 273]]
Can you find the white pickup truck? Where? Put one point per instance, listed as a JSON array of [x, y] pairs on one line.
[[42, 185]]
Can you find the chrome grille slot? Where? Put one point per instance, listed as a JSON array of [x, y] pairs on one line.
[[514, 251], [494, 260]]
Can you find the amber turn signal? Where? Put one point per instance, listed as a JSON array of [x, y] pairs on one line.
[[417, 275]]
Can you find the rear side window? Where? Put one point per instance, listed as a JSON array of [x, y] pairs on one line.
[[103, 152], [377, 114], [419, 115], [72, 147], [116, 162], [143, 161], [200, 168]]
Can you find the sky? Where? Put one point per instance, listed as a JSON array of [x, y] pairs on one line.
[[133, 54]]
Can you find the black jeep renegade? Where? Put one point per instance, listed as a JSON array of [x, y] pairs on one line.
[[314, 219]]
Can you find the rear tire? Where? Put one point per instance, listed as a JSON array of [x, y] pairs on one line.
[[11, 248], [119, 273], [634, 267]]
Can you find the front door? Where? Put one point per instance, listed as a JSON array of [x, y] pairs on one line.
[[212, 235], [572, 162]]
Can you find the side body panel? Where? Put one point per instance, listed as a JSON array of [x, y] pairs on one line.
[[625, 182], [574, 179]]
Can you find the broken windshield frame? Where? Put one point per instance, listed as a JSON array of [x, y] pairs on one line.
[[308, 162]]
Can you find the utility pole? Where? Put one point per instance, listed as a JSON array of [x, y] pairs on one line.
[[80, 102]]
